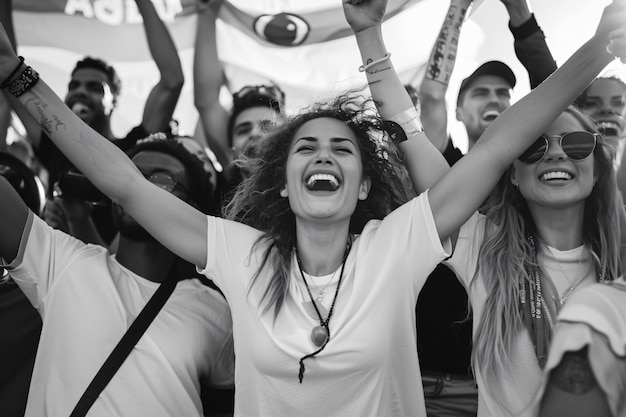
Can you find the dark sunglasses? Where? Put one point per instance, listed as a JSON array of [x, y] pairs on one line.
[[166, 182], [269, 94], [576, 145]]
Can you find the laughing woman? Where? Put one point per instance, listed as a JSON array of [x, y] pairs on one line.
[[322, 282], [550, 227]]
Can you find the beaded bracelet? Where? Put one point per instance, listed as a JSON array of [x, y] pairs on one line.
[[13, 73], [367, 66], [24, 82]]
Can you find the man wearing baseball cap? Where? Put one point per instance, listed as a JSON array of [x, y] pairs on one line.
[[530, 48], [483, 96]]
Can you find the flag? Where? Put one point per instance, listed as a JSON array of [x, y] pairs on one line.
[[306, 48]]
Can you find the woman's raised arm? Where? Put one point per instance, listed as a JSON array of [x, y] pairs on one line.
[[424, 162], [178, 226], [469, 181]]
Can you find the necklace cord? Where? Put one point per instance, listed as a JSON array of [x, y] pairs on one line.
[[536, 314], [577, 280], [323, 323]]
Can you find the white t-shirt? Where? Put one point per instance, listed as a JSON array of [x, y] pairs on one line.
[[595, 317], [522, 380], [369, 367], [87, 300]]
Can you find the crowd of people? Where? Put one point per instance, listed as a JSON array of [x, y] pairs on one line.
[[343, 260]]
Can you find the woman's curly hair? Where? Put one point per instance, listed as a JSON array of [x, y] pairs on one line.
[[257, 201]]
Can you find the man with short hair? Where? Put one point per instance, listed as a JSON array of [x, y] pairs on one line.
[[94, 88], [228, 131], [530, 47], [483, 96], [92, 94], [88, 298]]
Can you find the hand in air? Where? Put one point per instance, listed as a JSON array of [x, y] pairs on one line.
[[363, 14], [210, 5], [613, 19], [8, 58], [617, 43]]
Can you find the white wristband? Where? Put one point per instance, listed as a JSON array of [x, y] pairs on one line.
[[409, 121]]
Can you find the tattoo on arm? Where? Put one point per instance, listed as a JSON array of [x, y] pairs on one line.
[[48, 122], [443, 56], [574, 373], [377, 70]]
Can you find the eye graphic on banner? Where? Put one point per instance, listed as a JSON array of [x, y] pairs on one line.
[[284, 29]]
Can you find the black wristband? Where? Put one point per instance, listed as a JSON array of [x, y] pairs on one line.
[[525, 29], [13, 73], [24, 82], [395, 131]]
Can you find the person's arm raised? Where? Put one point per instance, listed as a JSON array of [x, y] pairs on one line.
[[424, 162], [530, 42], [13, 215], [163, 97], [174, 223], [456, 196], [6, 18], [33, 132], [433, 88], [208, 79]]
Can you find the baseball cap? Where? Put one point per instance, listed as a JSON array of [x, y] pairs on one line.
[[497, 68]]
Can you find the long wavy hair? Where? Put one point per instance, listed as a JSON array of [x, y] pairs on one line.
[[257, 201], [505, 252]]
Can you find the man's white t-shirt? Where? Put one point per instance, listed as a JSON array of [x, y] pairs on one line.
[[370, 366], [87, 301]]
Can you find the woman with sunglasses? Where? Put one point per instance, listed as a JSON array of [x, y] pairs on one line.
[[550, 227], [321, 281]]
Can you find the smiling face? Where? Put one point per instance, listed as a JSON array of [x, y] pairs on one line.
[[556, 181], [482, 102], [89, 95], [324, 173], [250, 124], [605, 101]]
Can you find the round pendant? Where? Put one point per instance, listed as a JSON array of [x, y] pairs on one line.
[[319, 335]]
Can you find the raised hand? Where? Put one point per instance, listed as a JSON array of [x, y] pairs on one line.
[[210, 5], [363, 14], [8, 59], [617, 43], [515, 3], [613, 18], [518, 10]]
